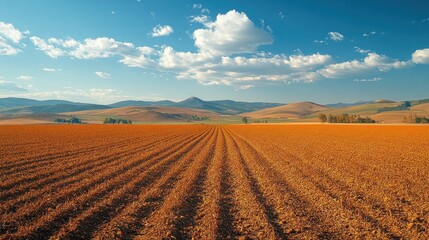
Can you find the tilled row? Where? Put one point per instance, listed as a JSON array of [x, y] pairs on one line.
[[212, 182]]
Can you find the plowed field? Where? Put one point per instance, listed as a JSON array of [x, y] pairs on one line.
[[214, 182]]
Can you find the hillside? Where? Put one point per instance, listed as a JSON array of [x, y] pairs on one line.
[[136, 103], [8, 103], [362, 110], [146, 114], [227, 107], [292, 111], [56, 108]]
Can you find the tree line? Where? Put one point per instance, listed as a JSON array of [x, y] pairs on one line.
[[72, 120], [413, 118], [116, 121], [344, 118]]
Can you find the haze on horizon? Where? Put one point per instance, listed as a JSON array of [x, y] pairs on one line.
[[269, 51]]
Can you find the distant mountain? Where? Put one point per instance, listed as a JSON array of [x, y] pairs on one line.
[[136, 103], [341, 105], [221, 106], [56, 108], [24, 102], [292, 110]]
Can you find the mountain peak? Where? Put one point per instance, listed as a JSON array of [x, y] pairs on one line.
[[193, 99]]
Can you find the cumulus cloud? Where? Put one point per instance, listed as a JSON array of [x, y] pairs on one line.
[[7, 87], [160, 31], [219, 58], [25, 78], [372, 62], [232, 32], [180, 60], [421, 56], [9, 36], [104, 75], [236, 70], [336, 36], [50, 50], [6, 48], [92, 48], [8, 31], [203, 19]]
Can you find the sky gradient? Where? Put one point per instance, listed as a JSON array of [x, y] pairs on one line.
[[273, 51]]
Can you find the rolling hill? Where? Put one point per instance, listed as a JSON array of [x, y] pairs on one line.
[[227, 107], [289, 111], [136, 103], [146, 114], [194, 109], [56, 108], [8, 103]]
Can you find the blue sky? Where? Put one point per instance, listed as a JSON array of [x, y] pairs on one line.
[[274, 51]]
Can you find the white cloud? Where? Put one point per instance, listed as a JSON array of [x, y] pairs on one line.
[[7, 86], [6, 48], [205, 11], [245, 87], [101, 48], [369, 34], [49, 49], [218, 61], [8, 31], [203, 19], [160, 31], [421, 56], [96, 95], [372, 62], [197, 5], [232, 32], [9, 36], [52, 69], [336, 36], [376, 79], [360, 50], [319, 41], [25, 78], [104, 75], [142, 58], [239, 70], [181, 60], [281, 15]]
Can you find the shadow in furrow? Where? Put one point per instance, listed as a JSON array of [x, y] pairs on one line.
[[269, 211], [226, 228], [86, 227], [300, 205], [188, 210]]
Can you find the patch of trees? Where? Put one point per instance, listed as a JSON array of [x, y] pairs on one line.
[[196, 118], [245, 120], [260, 121], [413, 118], [72, 120], [403, 106], [116, 121], [344, 118]]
